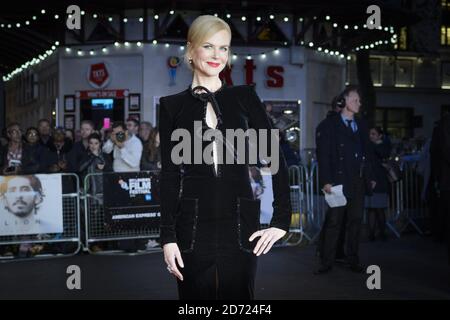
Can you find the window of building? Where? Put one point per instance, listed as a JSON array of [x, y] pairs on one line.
[[397, 122], [445, 35], [403, 40]]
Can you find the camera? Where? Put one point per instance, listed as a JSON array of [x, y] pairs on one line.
[[120, 136]]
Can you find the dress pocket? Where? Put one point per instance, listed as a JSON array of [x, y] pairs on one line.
[[186, 224], [248, 215]]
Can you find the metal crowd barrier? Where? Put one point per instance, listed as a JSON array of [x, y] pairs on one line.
[[62, 244], [298, 191], [96, 229], [411, 205], [405, 205]]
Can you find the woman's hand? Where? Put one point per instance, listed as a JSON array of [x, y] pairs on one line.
[[172, 255], [268, 238]]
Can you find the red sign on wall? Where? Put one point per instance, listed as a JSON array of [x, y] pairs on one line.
[[98, 75]]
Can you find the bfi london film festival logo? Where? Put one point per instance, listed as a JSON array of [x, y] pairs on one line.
[[137, 186], [74, 17]]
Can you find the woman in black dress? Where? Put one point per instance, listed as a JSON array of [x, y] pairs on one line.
[[209, 219]]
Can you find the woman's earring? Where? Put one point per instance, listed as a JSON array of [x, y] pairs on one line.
[[190, 60]]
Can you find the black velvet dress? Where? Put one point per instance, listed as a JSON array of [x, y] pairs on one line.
[[211, 213]]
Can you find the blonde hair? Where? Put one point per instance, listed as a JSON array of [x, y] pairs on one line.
[[201, 29]]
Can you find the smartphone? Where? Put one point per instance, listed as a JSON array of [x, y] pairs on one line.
[[10, 169], [106, 123]]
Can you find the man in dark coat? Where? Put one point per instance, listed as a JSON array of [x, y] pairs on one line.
[[344, 156], [337, 104]]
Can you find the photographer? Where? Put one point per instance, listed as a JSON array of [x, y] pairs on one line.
[[126, 148]]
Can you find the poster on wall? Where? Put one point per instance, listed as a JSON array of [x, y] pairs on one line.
[[135, 104], [69, 103], [31, 204], [131, 200]]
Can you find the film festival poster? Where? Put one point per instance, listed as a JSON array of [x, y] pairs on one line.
[[31, 204], [131, 200]]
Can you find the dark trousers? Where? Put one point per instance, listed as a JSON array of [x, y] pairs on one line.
[[340, 250], [377, 216], [333, 225]]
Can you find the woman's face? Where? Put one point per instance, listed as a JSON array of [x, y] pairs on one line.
[[32, 136], [211, 57], [15, 134], [94, 145], [144, 132], [374, 136]]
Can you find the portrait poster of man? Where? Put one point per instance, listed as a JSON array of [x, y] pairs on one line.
[[31, 204], [131, 200]]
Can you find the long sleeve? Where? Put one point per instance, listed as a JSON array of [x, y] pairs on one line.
[[258, 119], [323, 149], [108, 146], [170, 177], [131, 152]]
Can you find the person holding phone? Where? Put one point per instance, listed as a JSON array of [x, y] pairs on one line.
[[56, 157], [95, 161], [13, 153]]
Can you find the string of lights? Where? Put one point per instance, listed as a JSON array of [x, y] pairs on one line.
[[261, 54]]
